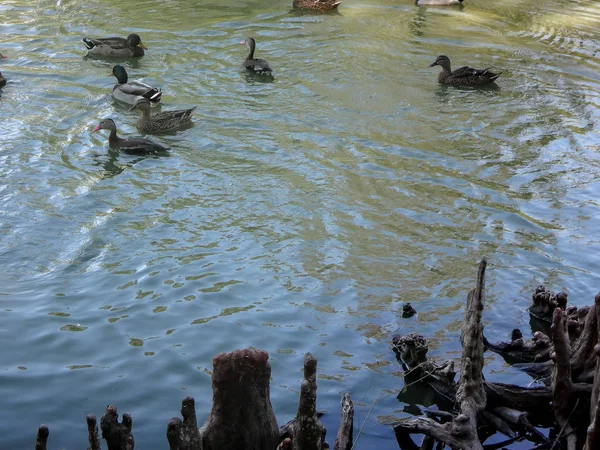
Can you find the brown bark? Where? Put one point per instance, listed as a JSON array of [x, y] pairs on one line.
[[545, 302], [93, 437], [117, 435], [593, 431], [242, 417], [42, 438], [184, 435], [309, 433], [562, 386], [343, 440], [537, 349], [583, 361]]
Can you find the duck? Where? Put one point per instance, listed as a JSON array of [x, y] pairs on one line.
[[137, 145], [162, 122], [463, 76], [2, 56], [131, 92], [438, 2], [2, 80], [117, 47], [322, 5], [258, 66]]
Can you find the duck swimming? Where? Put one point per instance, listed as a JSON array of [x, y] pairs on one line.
[[162, 122], [463, 76], [131, 92], [137, 145], [322, 5], [258, 66], [117, 47]]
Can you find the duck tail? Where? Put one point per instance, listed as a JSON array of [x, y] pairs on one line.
[[88, 43], [491, 75], [494, 76], [155, 95], [336, 4]]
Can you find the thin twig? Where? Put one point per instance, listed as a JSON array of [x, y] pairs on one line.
[[562, 429]]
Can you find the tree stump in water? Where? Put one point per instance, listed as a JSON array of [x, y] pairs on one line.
[[117, 435], [184, 435], [343, 440], [241, 417], [42, 438], [93, 437]]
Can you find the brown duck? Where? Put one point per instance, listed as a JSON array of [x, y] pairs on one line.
[[162, 122], [463, 76], [322, 5], [136, 146]]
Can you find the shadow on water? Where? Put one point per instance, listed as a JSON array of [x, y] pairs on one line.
[[252, 77], [112, 166], [444, 91]]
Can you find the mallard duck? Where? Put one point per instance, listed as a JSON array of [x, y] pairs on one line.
[[2, 80], [463, 76], [259, 66], [438, 2], [322, 5], [117, 47], [162, 122], [137, 145], [132, 91]]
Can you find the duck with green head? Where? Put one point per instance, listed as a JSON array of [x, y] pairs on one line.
[[163, 122], [131, 92], [115, 47], [463, 76]]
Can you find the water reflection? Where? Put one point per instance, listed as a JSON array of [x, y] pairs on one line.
[[114, 162]]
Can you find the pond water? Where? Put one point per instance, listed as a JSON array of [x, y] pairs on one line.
[[294, 216]]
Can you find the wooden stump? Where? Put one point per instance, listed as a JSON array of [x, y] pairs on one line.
[[241, 417]]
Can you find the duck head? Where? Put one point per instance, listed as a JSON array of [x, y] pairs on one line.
[[133, 40], [249, 42], [442, 61], [106, 124], [121, 74]]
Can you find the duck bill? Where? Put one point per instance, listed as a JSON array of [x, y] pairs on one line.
[[140, 45], [96, 129], [3, 57], [243, 42], [433, 64]]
